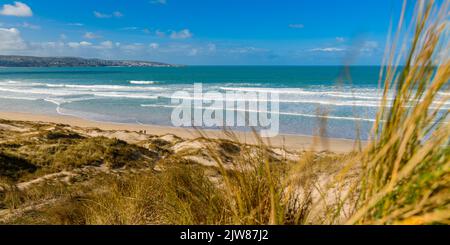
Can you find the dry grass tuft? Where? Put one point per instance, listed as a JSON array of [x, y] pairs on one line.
[[406, 167]]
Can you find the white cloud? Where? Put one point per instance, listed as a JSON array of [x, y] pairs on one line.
[[183, 34], [160, 33], [330, 49], [30, 26], [90, 35], [106, 45], [118, 14], [18, 9], [84, 43], [247, 50], [100, 15], [369, 46], [162, 2], [153, 45], [73, 45], [212, 47], [129, 28], [296, 26], [193, 52], [10, 40], [340, 39], [79, 45], [76, 24], [47, 45], [27, 25], [132, 47]]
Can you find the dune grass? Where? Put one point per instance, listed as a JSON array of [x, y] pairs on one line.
[[406, 167]]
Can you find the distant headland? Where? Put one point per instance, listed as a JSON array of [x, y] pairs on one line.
[[31, 61]]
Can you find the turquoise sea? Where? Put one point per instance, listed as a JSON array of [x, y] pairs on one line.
[[346, 100]]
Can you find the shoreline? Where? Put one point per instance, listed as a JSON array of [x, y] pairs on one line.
[[288, 141]]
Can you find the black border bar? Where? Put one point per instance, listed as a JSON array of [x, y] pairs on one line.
[[275, 234]]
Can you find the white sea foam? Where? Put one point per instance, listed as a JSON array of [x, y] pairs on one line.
[[358, 97], [372, 94], [142, 82], [319, 100], [77, 87], [17, 98], [54, 101], [269, 90], [66, 100], [36, 91], [127, 95], [99, 87], [360, 103], [158, 106], [263, 111], [330, 102], [45, 93], [323, 95]]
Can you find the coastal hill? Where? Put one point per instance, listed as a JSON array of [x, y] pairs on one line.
[[31, 61]]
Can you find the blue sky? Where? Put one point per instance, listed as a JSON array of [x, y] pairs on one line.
[[201, 32]]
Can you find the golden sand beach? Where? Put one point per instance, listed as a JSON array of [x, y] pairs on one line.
[[288, 141]]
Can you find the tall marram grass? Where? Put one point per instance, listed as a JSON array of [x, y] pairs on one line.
[[402, 175], [405, 175]]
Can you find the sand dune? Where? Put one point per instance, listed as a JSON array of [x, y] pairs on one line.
[[290, 142]]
